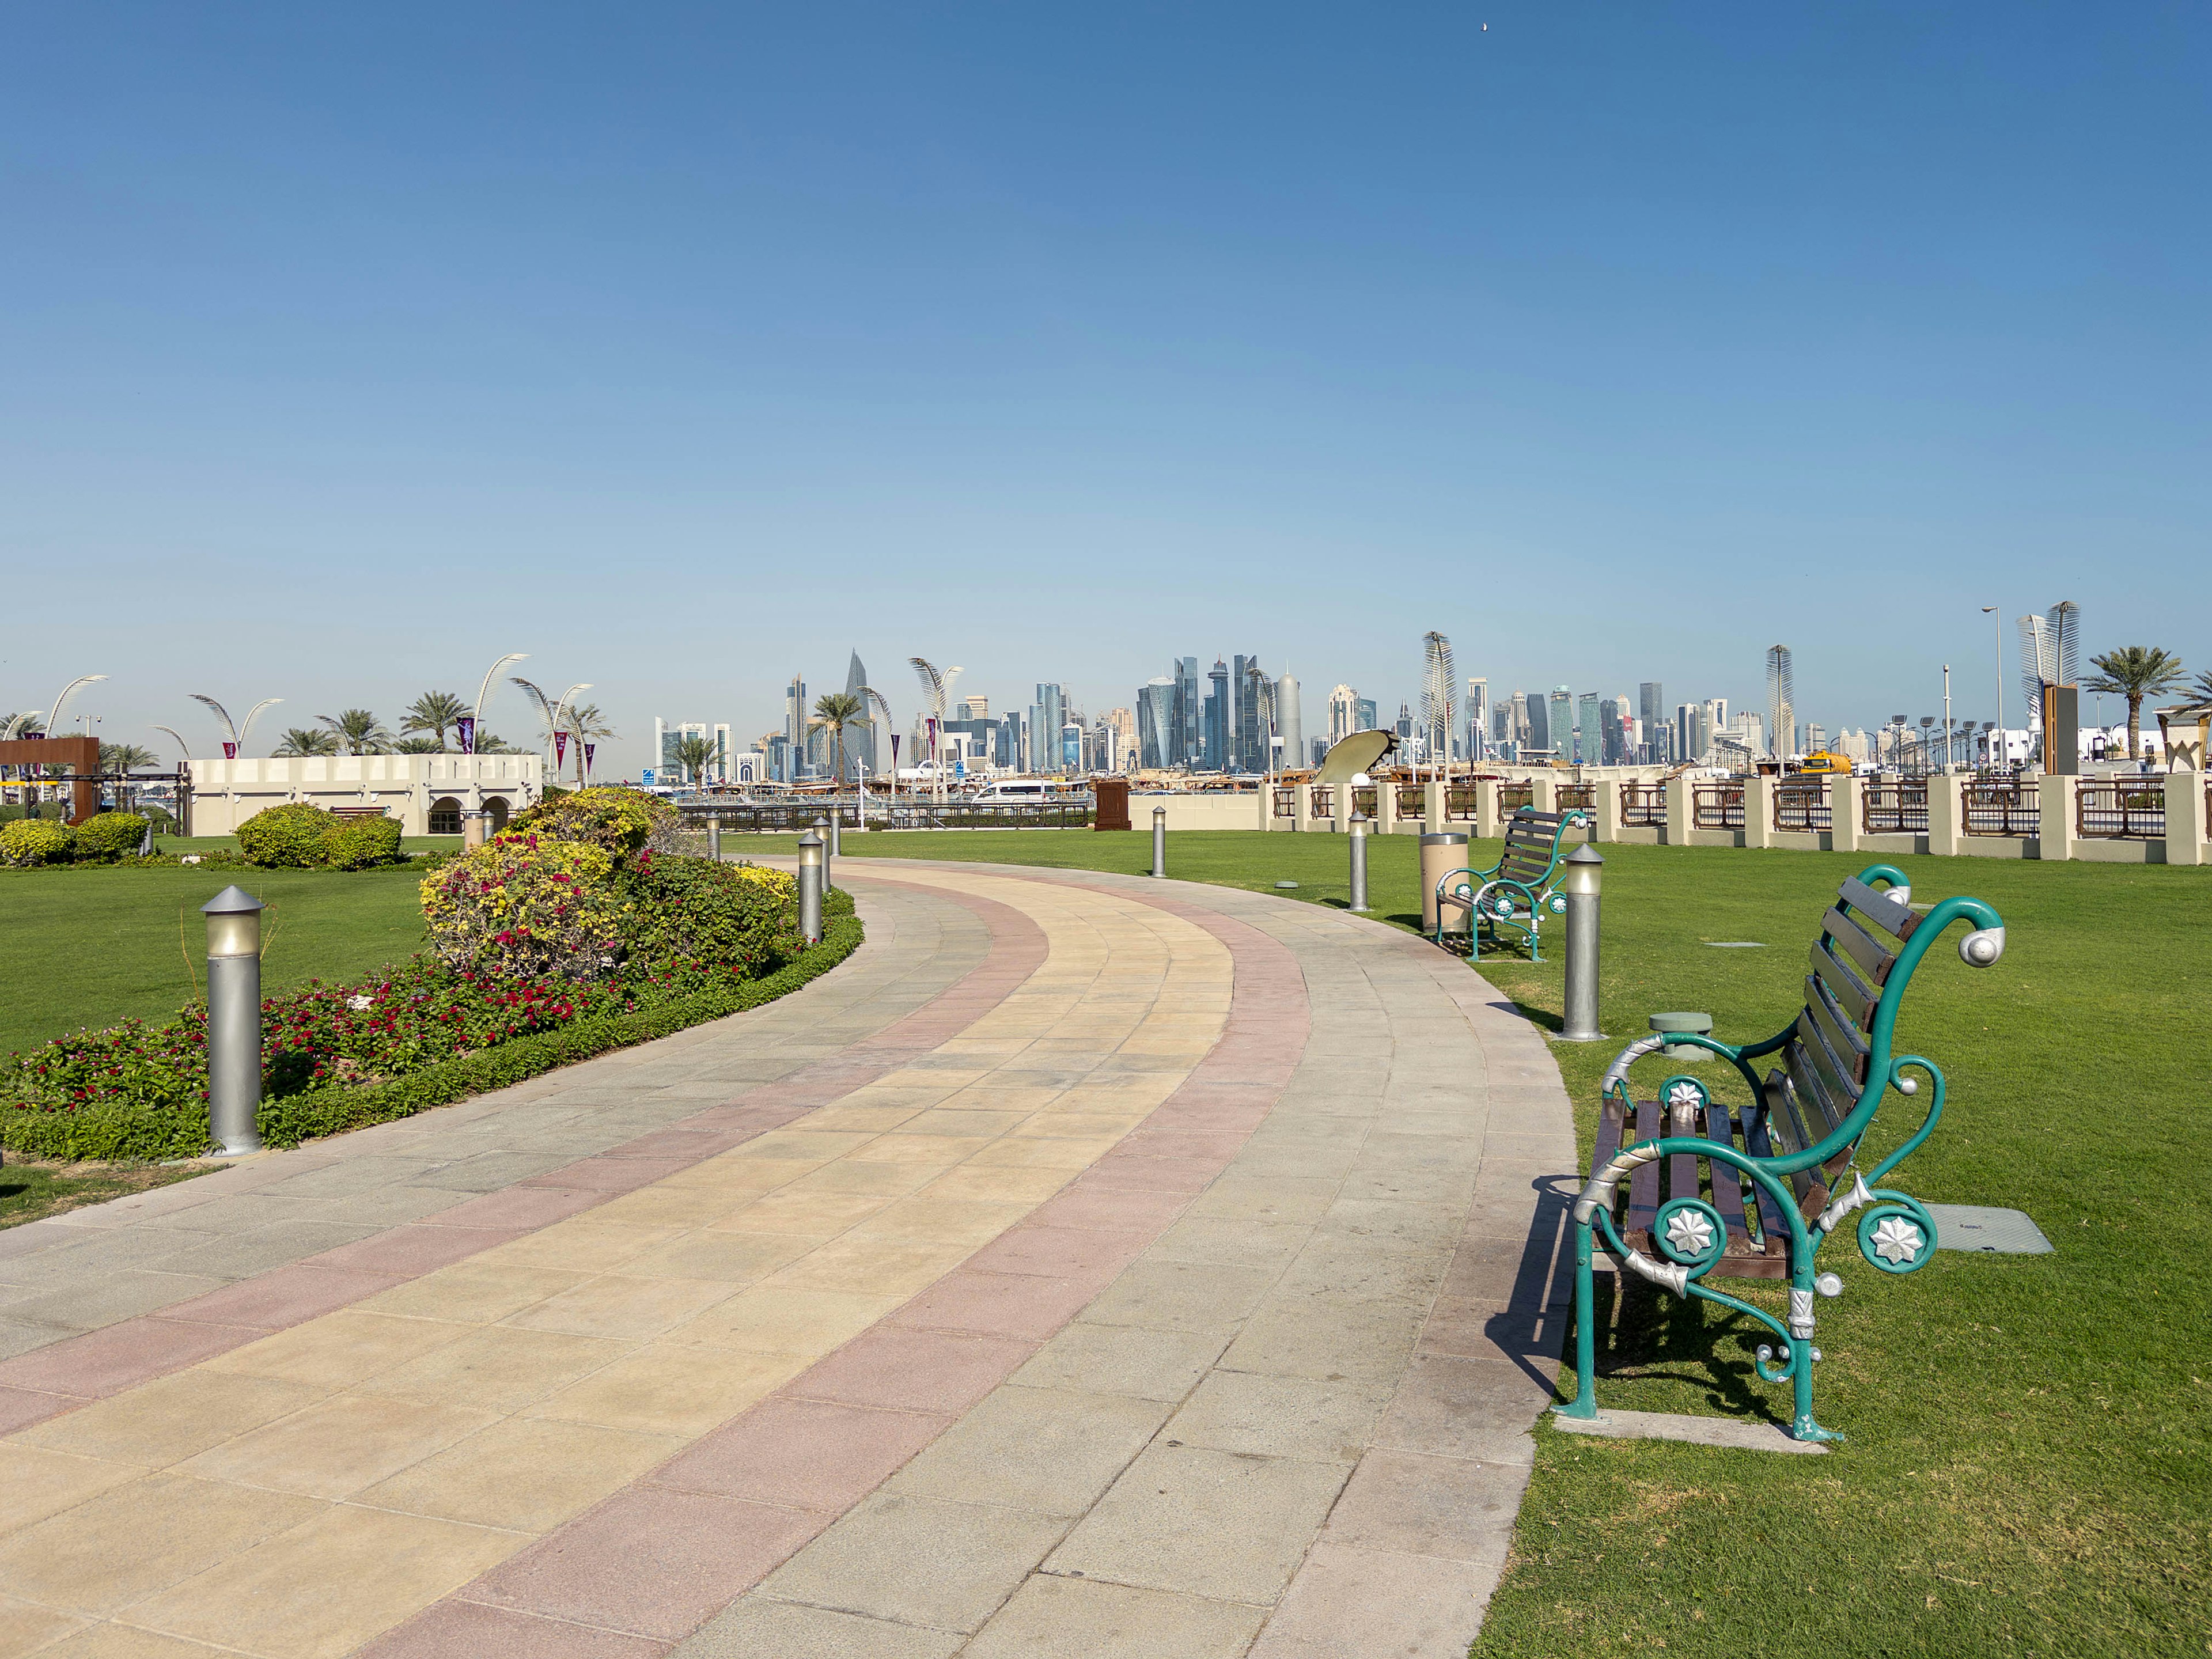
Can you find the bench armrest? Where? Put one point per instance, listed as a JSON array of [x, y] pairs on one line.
[[1739, 1057]]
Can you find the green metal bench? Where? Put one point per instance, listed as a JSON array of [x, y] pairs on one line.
[[1518, 890], [1689, 1163]]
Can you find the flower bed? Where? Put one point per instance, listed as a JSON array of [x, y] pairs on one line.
[[542, 953]]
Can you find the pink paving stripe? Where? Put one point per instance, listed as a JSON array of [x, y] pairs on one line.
[[49, 1381], [828, 1438]]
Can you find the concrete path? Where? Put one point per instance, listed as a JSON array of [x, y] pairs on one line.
[[1090, 1267]]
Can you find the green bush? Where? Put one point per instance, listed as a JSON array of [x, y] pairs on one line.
[[619, 821], [295, 836], [362, 843], [686, 910], [29, 841], [524, 907], [109, 837]]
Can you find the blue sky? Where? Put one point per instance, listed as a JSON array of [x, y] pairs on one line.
[[685, 348]]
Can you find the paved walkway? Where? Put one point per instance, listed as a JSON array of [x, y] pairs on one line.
[[1090, 1267]]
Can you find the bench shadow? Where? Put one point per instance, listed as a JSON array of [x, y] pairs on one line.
[[1643, 1334]]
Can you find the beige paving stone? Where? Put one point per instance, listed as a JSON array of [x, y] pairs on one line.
[[134, 1539], [737, 1177], [857, 1176], [475, 1292], [676, 1207], [870, 1265], [322, 1590], [1043, 1449], [35, 1483], [1066, 1153], [524, 1474], [867, 1119], [624, 1308], [819, 1146], [668, 1388], [578, 1245], [338, 1349], [942, 1150], [733, 1257], [802, 1211], [779, 1321], [917, 1561], [1052, 1618], [969, 1181], [978, 1124], [497, 1367], [1223, 1525], [171, 1418], [337, 1446], [972, 1222], [25, 1629], [120, 1641]]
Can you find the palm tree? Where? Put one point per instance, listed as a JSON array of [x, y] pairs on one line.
[[125, 757], [695, 754], [490, 743], [2203, 689], [359, 731], [588, 725], [418, 746], [304, 740], [834, 712], [433, 711], [2136, 672]]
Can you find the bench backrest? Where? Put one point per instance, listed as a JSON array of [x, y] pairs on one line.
[[1532, 845]]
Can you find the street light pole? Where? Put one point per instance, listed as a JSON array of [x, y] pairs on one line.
[[1998, 628]]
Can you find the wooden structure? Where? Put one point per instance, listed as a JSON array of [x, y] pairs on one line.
[[80, 755], [1112, 795]]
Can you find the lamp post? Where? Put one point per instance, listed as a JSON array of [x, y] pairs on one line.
[[825, 831], [1585, 869], [1359, 864], [714, 839], [234, 1027], [1159, 841], [812, 878], [1996, 623]]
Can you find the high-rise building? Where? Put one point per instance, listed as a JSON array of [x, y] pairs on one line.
[[1289, 722], [1156, 722], [1187, 746], [1651, 709], [666, 737], [1616, 732], [1816, 739], [1220, 719], [1343, 714], [1120, 748], [1249, 741], [794, 723], [979, 708], [1587, 724], [1781, 696], [1365, 718], [1536, 723], [1047, 714], [1562, 713], [1477, 719]]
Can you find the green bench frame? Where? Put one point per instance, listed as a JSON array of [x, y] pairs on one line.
[[1790, 1154], [1517, 889]]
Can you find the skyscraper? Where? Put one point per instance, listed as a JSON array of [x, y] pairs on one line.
[[1047, 715], [1290, 723], [860, 740], [1563, 722], [1781, 696], [1186, 747], [1343, 714], [794, 722], [1364, 719], [1589, 723], [1156, 730], [1537, 725], [1248, 737], [1477, 719], [1651, 709], [1220, 717], [1617, 729]]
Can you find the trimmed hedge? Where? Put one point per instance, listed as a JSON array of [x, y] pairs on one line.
[[108, 836], [142, 1131], [26, 843]]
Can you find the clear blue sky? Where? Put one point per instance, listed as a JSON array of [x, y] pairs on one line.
[[342, 350]]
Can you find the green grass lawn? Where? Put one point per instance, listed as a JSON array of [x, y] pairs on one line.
[[88, 947], [2026, 1470], [31, 1191]]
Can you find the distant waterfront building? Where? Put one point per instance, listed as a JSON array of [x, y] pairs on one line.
[[1289, 722], [1616, 744], [1365, 720], [1220, 722], [979, 708], [1562, 715], [1120, 725], [1537, 725], [1343, 714], [1816, 739], [1477, 719], [666, 737], [1588, 722], [1156, 723], [1190, 742], [1781, 698], [860, 740], [1651, 710], [794, 726]]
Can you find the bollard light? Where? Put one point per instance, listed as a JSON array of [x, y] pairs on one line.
[[836, 832], [234, 1027], [1358, 864], [1160, 841], [826, 832], [1580, 884], [812, 879], [714, 839]]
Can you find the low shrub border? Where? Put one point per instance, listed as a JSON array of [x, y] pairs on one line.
[[120, 1132]]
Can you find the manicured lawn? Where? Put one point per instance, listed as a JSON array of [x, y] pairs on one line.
[[2027, 1469], [88, 947]]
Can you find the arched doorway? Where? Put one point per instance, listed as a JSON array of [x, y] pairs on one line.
[[445, 816], [496, 812]]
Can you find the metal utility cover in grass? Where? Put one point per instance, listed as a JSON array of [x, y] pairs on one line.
[[1287, 886], [1735, 944], [1979, 1227]]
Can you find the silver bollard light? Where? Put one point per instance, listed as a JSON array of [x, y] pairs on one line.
[[714, 839], [836, 833], [813, 879], [826, 832], [234, 1027], [1584, 871], [1358, 864], [1160, 841]]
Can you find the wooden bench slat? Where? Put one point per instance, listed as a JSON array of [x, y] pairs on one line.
[[1851, 994], [1810, 1094], [1860, 945], [1845, 1044], [1643, 1184], [1880, 909], [1840, 1095], [1773, 1232], [1610, 1120], [1727, 1186]]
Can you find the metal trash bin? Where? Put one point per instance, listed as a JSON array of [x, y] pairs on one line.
[[1441, 855]]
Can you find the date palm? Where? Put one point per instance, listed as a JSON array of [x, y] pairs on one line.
[[2203, 689], [2135, 671], [358, 731], [418, 746], [435, 713], [834, 713], [306, 740], [695, 754]]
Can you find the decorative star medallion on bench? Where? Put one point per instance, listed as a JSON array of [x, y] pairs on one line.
[[1897, 1239]]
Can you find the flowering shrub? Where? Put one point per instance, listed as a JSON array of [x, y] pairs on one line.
[[524, 907], [28, 842], [693, 912], [109, 837], [619, 821], [294, 835]]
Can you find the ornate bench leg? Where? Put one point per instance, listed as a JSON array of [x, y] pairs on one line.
[[1585, 1403]]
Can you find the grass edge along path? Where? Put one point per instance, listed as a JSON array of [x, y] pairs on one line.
[[2027, 1457], [100, 1132]]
